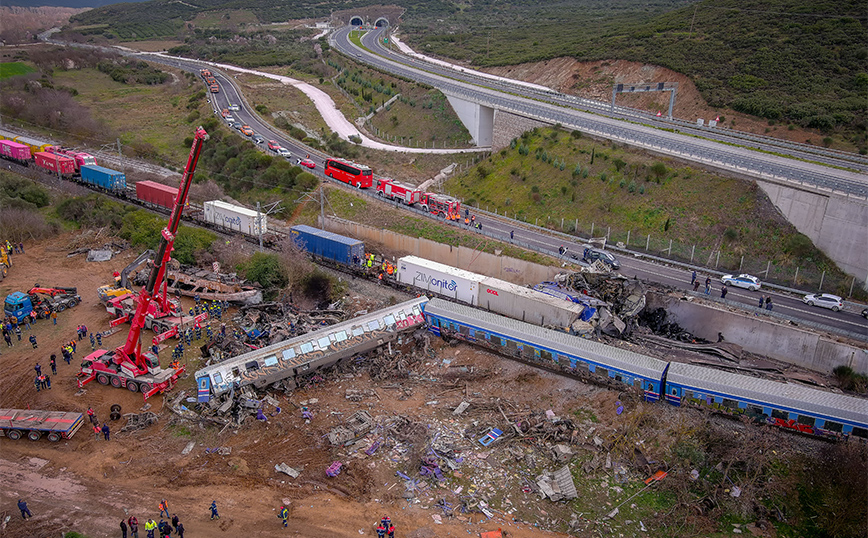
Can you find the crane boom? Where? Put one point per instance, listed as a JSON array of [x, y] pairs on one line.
[[131, 350]]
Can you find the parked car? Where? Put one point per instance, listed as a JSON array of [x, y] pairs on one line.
[[237, 125], [825, 300], [247, 130], [273, 145], [283, 152], [234, 107], [743, 280], [258, 139], [225, 112], [229, 119], [306, 163]]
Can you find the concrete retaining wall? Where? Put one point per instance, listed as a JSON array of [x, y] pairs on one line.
[[784, 343], [508, 126], [510, 269], [836, 223]]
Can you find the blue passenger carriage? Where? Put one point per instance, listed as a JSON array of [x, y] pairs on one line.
[[794, 407], [545, 347]]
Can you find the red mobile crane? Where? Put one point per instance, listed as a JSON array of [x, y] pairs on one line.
[[127, 366]]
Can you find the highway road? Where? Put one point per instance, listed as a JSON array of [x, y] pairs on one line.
[[704, 151], [374, 42], [498, 227]]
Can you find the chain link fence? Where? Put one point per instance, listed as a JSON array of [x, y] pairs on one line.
[[807, 277]]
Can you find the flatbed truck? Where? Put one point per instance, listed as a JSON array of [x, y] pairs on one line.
[[33, 424]]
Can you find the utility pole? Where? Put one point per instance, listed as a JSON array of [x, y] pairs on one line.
[[263, 218], [121, 155]]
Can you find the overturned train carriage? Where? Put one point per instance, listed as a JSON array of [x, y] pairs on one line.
[[545, 347], [789, 406], [310, 352]]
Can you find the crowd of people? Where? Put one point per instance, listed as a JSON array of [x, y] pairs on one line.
[[163, 529]]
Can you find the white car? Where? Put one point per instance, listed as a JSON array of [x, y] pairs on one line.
[[832, 302], [743, 280], [283, 152], [234, 107]]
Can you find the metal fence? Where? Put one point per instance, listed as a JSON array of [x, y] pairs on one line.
[[793, 277]]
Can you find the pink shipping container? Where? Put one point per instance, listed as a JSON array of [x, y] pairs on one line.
[[52, 162], [155, 193], [15, 151]]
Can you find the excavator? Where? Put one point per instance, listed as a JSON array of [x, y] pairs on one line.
[[128, 366], [5, 264], [121, 286]]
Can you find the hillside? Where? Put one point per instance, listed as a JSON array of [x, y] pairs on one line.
[[75, 4], [784, 60], [789, 61]]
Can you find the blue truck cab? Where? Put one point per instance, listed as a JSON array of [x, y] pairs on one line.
[[17, 305]]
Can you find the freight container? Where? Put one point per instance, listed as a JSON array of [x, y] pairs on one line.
[[157, 194], [233, 217], [81, 158], [105, 178], [337, 248], [443, 280], [57, 425], [526, 304], [34, 144], [54, 163], [15, 151]]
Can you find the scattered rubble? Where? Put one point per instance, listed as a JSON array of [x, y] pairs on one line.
[[138, 421]]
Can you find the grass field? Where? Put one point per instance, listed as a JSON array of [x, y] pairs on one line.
[[154, 115], [14, 69]]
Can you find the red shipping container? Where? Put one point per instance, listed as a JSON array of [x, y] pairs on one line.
[[52, 162], [14, 150], [155, 193]]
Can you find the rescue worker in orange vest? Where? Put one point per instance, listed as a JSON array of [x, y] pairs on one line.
[[390, 269], [466, 221]]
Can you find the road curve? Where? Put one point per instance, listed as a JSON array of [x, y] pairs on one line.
[[707, 152]]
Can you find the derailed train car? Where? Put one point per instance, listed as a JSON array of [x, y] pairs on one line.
[[313, 351], [792, 407], [492, 294]]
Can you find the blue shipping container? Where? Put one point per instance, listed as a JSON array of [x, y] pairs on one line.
[[332, 246], [106, 178]]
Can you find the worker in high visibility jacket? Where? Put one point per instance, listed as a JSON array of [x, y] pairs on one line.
[[284, 515], [150, 527]]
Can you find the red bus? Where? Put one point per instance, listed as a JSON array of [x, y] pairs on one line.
[[357, 175]]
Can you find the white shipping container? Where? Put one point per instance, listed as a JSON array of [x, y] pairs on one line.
[[233, 217], [443, 280], [526, 304]]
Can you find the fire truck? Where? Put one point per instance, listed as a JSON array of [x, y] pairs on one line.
[[395, 190], [440, 204], [128, 366]]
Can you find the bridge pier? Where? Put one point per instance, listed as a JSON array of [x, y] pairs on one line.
[[478, 119]]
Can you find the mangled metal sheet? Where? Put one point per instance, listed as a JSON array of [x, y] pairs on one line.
[[99, 255]]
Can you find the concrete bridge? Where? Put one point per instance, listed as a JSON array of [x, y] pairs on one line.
[[835, 221]]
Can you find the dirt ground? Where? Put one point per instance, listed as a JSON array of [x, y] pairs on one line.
[[89, 485]]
